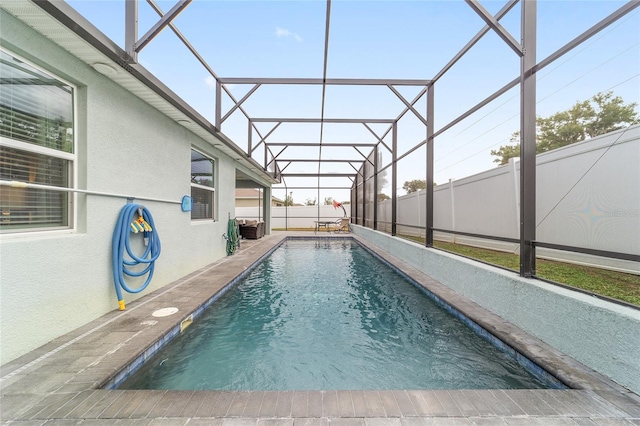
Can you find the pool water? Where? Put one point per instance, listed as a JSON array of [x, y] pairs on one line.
[[327, 314]]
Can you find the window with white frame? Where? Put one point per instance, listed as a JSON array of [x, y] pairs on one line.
[[202, 186], [36, 146]]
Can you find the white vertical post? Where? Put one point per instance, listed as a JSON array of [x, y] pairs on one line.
[[515, 178], [453, 209]]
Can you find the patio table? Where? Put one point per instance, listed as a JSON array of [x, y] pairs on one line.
[[326, 224]]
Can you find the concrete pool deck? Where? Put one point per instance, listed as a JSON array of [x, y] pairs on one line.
[[59, 383]]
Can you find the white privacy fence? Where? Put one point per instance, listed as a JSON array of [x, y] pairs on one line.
[[588, 196], [294, 216]]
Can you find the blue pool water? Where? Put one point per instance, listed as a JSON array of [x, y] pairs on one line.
[[328, 315]]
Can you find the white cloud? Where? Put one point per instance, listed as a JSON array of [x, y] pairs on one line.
[[210, 82], [283, 32]]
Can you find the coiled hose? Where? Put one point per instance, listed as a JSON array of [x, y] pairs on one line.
[[121, 242], [232, 236]]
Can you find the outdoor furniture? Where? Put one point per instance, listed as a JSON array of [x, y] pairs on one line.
[[252, 229], [342, 225], [325, 224]]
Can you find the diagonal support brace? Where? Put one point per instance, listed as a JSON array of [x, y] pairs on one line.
[[495, 26], [160, 25], [407, 104]]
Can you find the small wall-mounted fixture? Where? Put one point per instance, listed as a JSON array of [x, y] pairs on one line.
[[105, 69], [184, 122]]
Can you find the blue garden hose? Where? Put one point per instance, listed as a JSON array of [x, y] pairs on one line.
[[121, 236]]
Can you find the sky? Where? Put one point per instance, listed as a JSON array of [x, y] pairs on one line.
[[380, 39]]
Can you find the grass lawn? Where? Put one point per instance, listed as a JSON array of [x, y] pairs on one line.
[[614, 284]]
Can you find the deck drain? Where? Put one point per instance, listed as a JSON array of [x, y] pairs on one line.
[[164, 312]]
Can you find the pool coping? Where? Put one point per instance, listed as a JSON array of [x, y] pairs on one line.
[[62, 379]]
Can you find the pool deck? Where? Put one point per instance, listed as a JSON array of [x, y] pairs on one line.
[[59, 383]]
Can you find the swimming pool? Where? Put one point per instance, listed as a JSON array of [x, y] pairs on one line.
[[322, 314]]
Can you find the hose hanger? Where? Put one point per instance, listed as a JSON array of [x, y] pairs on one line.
[[126, 225], [140, 225]]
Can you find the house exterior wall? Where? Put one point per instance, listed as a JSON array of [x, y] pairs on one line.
[[243, 202], [55, 282], [253, 202]]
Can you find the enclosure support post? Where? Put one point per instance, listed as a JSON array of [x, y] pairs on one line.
[[266, 209], [218, 105], [353, 208], [528, 140], [249, 135], [286, 207], [131, 30], [394, 177], [354, 202], [364, 198], [375, 188], [430, 163], [361, 201]]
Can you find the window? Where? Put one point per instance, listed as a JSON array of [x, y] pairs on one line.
[[202, 186], [36, 146]]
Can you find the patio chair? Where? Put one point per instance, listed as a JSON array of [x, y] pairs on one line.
[[342, 225], [252, 230]]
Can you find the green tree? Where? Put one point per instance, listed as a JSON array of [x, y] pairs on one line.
[[310, 202], [288, 200], [507, 151], [328, 201], [414, 185], [382, 196], [601, 114]]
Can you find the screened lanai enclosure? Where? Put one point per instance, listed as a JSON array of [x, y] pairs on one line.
[[490, 124]]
